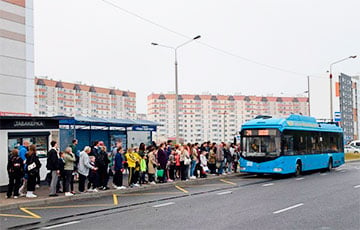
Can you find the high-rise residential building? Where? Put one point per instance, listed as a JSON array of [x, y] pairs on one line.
[[345, 98], [356, 96], [75, 99], [216, 117], [16, 57]]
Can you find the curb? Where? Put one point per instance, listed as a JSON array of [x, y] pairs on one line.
[[86, 196], [353, 160]]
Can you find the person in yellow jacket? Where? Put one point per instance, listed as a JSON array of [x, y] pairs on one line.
[[133, 159]]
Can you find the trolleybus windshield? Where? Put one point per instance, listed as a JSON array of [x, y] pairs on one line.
[[261, 143]]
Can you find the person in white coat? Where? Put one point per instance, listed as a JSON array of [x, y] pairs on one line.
[[84, 167], [203, 164]]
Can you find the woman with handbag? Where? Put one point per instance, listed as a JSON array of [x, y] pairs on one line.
[[162, 160], [32, 168]]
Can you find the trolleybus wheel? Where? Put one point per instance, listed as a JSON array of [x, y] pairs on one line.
[[330, 165], [298, 169]]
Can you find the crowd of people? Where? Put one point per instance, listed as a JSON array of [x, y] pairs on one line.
[[96, 165]]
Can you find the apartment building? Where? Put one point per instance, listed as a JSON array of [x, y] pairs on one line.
[[71, 99], [16, 57], [345, 101], [216, 117]]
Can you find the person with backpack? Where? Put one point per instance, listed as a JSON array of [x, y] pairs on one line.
[[15, 170]]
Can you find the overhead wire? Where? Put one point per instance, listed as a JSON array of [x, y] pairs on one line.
[[206, 44]]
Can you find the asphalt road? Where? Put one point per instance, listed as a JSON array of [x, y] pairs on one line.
[[313, 201]]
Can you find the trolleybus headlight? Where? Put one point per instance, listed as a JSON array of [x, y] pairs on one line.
[[242, 168], [278, 169]]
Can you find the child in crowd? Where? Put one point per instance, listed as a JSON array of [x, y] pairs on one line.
[[61, 180], [143, 169], [93, 176]]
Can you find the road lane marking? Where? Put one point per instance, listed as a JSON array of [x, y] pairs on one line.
[[13, 215], [288, 208], [269, 184], [116, 202], [181, 189], [323, 174], [30, 213], [70, 206], [228, 182], [150, 194], [224, 193], [36, 216], [206, 185], [162, 205], [301, 178], [60, 225], [357, 186]]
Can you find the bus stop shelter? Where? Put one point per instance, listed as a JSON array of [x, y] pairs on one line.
[[89, 129]]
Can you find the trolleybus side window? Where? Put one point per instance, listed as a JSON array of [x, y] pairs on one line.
[[288, 145], [311, 142], [331, 142]]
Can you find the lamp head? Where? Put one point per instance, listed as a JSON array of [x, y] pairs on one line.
[[154, 44], [197, 37], [354, 56]]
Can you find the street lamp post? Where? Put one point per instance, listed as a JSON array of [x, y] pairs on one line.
[[331, 85], [176, 81]]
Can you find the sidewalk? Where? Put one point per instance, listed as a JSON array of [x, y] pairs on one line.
[[44, 199]]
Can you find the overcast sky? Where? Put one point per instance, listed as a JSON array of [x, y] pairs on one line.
[[98, 44]]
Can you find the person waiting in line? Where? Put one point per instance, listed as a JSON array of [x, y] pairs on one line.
[[162, 160], [203, 164], [75, 151], [184, 162], [142, 150], [60, 186], [102, 162], [15, 169], [194, 160], [212, 160], [93, 176], [171, 163], [228, 158], [220, 158], [23, 149], [143, 169], [177, 161], [69, 158], [133, 161], [32, 167], [152, 164], [52, 164], [119, 169], [84, 167]]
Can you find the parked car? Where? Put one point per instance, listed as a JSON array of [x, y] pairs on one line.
[[351, 149], [355, 143]]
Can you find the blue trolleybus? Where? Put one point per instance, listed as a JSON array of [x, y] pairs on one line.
[[289, 145]]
